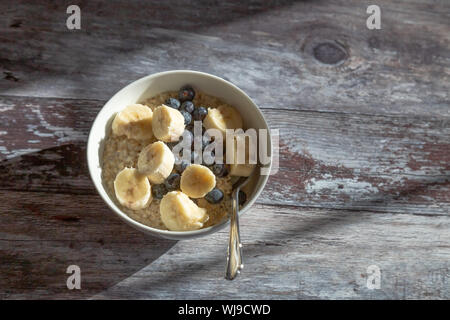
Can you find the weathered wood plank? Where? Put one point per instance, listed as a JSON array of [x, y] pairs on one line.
[[364, 120], [392, 164], [277, 51], [325, 254], [41, 235], [313, 254], [379, 163]]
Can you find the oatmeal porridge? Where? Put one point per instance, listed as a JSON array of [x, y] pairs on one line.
[[150, 182]]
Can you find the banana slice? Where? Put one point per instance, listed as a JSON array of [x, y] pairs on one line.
[[197, 181], [241, 169], [156, 162], [168, 124], [222, 118], [179, 213], [132, 189], [135, 121]]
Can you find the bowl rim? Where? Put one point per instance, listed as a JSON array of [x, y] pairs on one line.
[[168, 233]]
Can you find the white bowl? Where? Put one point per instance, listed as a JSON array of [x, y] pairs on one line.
[[157, 83]]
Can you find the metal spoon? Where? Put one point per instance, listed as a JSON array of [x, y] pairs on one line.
[[234, 255]]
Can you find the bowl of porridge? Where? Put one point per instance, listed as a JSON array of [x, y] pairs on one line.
[[163, 153]]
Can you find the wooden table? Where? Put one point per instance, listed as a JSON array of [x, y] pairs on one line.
[[364, 119]]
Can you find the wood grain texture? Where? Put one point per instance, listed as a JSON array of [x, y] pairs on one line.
[[41, 235], [305, 254], [378, 163], [364, 120], [404, 68]]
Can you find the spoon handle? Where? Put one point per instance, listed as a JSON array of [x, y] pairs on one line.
[[234, 256]]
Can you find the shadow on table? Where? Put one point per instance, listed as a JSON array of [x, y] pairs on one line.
[[51, 217], [303, 229], [104, 29]]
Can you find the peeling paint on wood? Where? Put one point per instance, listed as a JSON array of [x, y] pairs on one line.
[[364, 119], [389, 164]]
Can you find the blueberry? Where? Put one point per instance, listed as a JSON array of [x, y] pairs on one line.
[[172, 182], [188, 136], [242, 197], [180, 167], [186, 93], [190, 128], [214, 196], [204, 140], [208, 157], [195, 157], [199, 113], [187, 117], [173, 103], [187, 106], [159, 190], [219, 169]]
